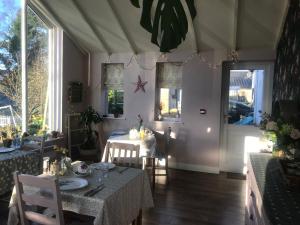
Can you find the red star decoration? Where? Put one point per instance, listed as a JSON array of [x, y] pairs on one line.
[[140, 85]]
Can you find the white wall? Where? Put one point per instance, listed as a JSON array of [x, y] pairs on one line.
[[193, 148]]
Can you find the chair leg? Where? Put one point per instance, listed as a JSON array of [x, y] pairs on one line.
[[139, 218], [167, 170], [153, 173]]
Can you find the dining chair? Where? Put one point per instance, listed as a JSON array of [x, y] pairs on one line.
[[122, 154], [161, 153], [52, 202]]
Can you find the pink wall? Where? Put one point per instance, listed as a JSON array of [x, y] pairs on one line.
[[193, 147], [74, 69]]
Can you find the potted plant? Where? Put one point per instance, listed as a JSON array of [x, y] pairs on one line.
[[117, 111], [88, 118], [7, 141]]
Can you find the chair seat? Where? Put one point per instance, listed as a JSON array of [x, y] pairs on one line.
[[159, 154]]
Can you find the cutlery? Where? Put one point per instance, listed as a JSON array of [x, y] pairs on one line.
[[96, 191], [92, 190], [121, 171]]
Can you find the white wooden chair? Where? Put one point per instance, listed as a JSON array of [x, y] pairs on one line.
[[122, 154], [53, 202]]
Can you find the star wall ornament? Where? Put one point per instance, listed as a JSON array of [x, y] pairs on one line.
[[140, 85]]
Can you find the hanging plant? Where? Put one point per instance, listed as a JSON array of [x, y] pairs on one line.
[[170, 24]]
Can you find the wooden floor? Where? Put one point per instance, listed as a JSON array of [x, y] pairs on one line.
[[193, 198]]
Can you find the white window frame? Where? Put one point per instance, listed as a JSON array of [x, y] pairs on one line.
[[55, 49], [105, 94], [157, 99]]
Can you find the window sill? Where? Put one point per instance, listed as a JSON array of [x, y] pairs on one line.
[[173, 121], [114, 118]]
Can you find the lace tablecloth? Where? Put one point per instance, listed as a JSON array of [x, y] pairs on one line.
[[23, 161], [117, 204], [147, 145]]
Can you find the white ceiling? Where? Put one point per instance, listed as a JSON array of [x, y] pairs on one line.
[[113, 25]]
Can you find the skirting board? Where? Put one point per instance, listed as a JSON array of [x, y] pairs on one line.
[[194, 167]]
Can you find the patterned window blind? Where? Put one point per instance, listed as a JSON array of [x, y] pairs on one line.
[[169, 75], [113, 76]]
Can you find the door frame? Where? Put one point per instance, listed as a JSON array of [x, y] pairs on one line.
[[268, 67]]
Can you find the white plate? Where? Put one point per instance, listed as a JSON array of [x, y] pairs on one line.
[[67, 184], [77, 174], [5, 150], [119, 132], [102, 164]]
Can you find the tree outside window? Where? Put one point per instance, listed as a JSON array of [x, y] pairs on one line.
[[10, 70]]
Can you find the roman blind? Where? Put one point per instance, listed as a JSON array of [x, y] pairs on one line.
[[169, 75], [113, 76]]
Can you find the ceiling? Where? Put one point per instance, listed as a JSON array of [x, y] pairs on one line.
[[113, 25]]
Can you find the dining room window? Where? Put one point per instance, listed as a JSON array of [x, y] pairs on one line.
[[168, 91], [114, 89]]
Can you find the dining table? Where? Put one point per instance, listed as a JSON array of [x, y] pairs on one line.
[[124, 194], [29, 162]]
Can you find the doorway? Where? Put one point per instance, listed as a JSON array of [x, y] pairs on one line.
[[246, 94]]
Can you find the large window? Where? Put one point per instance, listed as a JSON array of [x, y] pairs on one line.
[[169, 91], [37, 73], [43, 76], [10, 67], [113, 88]]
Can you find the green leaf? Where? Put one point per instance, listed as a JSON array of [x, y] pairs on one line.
[[146, 15], [192, 8], [170, 23], [135, 3]]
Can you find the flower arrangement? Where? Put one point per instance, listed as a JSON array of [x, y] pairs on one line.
[[60, 150], [284, 135]]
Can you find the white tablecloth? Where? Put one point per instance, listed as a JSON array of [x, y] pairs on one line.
[[117, 204], [147, 145]]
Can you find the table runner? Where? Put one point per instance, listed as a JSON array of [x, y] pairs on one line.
[[23, 161], [117, 204]]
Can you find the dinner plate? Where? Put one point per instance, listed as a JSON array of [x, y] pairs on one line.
[[72, 183], [119, 132], [103, 164], [5, 150]]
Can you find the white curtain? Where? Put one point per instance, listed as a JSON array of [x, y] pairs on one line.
[[169, 75], [113, 76]]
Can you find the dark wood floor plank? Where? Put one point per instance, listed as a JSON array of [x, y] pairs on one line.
[[193, 198]]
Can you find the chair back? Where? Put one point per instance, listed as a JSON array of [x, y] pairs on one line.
[[52, 202], [122, 154], [163, 141]]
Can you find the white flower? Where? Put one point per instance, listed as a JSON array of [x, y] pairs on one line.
[[295, 134], [272, 126]]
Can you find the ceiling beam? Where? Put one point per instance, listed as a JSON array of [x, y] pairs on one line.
[[45, 7], [92, 27], [281, 26], [122, 26], [235, 24]]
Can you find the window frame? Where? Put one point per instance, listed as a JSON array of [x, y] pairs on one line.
[[158, 97], [55, 67], [105, 92]]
